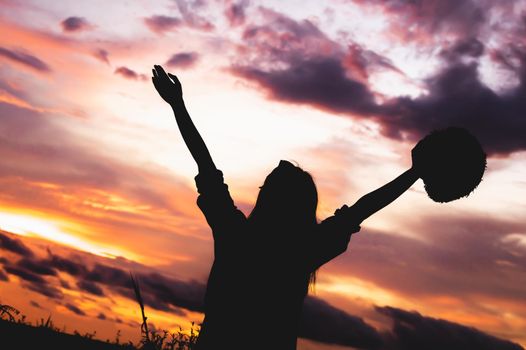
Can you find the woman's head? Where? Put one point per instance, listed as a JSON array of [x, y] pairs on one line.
[[286, 204], [288, 197]]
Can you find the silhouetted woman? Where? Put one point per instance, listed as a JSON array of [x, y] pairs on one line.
[[263, 264]]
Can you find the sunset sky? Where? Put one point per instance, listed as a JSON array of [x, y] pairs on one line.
[[96, 180]]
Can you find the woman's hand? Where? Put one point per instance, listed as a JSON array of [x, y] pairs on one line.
[[170, 90]]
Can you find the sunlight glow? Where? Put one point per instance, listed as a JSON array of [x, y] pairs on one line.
[[350, 287], [29, 226]]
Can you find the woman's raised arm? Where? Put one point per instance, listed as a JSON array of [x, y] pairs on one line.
[[169, 87], [383, 196]]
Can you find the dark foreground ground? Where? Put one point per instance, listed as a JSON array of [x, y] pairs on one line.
[[22, 336]]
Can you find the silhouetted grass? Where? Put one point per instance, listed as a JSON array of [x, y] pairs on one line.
[[45, 334], [8, 312], [162, 340]]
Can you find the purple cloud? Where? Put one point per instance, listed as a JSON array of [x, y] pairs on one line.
[[26, 59], [235, 12], [160, 24], [102, 55], [183, 60], [75, 24], [129, 73], [189, 12]]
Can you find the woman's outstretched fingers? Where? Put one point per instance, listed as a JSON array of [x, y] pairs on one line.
[[160, 72], [340, 210], [173, 77]]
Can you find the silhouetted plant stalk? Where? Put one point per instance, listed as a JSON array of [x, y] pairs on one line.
[[162, 340], [144, 326]]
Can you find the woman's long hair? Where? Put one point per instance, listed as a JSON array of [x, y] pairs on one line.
[[288, 199]]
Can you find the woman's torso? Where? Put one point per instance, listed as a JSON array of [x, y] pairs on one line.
[[255, 292]]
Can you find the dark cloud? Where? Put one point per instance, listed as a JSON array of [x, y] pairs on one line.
[[75, 24], [45, 289], [319, 81], [159, 292], [294, 62], [160, 24], [458, 97], [90, 287], [412, 331], [30, 271], [101, 316], [129, 73], [25, 59], [183, 60], [71, 267], [107, 274], [325, 323], [469, 47], [36, 266], [359, 63], [102, 55], [74, 309], [188, 295], [35, 304], [24, 274], [14, 245]]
